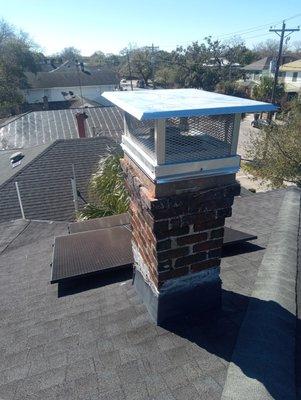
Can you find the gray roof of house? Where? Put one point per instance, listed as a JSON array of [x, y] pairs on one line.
[[44, 181], [44, 80], [40, 127], [6, 168], [259, 65], [95, 339]]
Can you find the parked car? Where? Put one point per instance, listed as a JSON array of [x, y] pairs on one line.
[[261, 123], [140, 84]]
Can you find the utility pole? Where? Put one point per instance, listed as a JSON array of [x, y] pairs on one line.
[[80, 66], [280, 32], [153, 68], [130, 69], [153, 49]]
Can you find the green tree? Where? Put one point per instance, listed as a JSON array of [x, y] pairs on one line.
[[17, 55], [97, 58], [276, 151], [263, 91], [268, 48], [198, 65], [107, 192], [231, 88], [142, 63], [69, 54]]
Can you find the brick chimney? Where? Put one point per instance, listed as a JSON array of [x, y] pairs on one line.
[[179, 164], [178, 230], [45, 103], [81, 121]]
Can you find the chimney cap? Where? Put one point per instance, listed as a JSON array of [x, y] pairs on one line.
[[169, 103]]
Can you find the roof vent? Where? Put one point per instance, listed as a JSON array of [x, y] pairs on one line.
[[178, 133], [16, 158]]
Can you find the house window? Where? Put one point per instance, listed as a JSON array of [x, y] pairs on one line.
[[295, 76], [282, 74]]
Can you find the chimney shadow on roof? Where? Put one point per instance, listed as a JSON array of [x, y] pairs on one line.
[[260, 347], [94, 281], [240, 248]]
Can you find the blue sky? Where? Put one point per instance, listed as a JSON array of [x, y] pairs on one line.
[[111, 25]]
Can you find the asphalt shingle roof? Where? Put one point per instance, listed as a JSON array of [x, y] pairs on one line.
[[40, 127], [44, 182], [100, 343], [259, 65], [62, 78]]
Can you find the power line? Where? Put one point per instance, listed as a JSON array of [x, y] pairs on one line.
[[242, 32]]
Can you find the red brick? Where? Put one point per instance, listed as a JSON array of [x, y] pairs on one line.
[[216, 253], [194, 258], [173, 273], [175, 223], [210, 244], [224, 213], [173, 253], [163, 245], [198, 218], [217, 233], [164, 265], [160, 226], [204, 265], [189, 239], [202, 226], [172, 232]]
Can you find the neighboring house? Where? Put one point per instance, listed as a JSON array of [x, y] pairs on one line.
[[259, 68], [44, 178], [221, 62], [263, 67], [40, 127], [55, 85], [291, 77]]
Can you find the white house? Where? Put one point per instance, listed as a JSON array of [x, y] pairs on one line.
[[291, 77], [57, 85], [259, 68]]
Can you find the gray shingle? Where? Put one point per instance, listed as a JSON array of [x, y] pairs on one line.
[[44, 183], [108, 331]]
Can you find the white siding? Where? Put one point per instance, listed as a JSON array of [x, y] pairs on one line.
[[55, 94]]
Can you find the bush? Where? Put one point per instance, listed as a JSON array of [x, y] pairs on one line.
[[276, 151], [107, 192]]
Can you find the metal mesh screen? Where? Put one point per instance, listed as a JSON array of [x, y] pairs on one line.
[[143, 133], [198, 138], [188, 138]]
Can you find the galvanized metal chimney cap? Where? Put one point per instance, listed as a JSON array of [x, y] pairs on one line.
[[168, 103]]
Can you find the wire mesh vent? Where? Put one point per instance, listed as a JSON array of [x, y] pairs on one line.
[[198, 138], [143, 133], [187, 139]]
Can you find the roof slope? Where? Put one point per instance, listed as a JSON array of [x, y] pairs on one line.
[[293, 66], [40, 127], [6, 168], [259, 65], [100, 343], [61, 79], [44, 182]]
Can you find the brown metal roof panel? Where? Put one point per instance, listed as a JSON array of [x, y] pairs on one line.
[[91, 252]]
